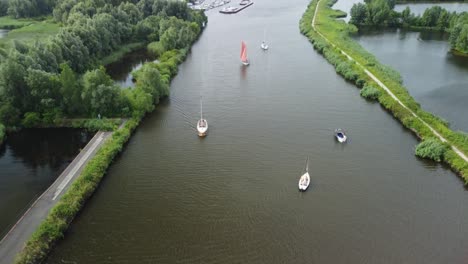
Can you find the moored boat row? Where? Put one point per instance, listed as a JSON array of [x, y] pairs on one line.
[[232, 9]]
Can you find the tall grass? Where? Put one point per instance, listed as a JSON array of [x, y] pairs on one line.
[[338, 33], [28, 30]]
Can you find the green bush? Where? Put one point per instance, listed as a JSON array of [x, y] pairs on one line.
[[431, 149], [156, 48], [370, 92], [2, 133], [103, 124], [31, 119]]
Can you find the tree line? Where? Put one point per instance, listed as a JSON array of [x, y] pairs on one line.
[[381, 13], [61, 77]]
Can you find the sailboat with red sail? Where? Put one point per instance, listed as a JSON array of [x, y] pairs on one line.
[[243, 55]]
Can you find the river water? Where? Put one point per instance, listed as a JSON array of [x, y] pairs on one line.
[[232, 197], [30, 160]]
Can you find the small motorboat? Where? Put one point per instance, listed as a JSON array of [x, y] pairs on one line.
[[340, 135], [244, 2], [304, 181], [202, 124]]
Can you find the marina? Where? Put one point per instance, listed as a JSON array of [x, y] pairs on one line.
[[201, 5], [235, 9]]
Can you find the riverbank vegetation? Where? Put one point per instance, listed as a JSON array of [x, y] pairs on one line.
[[2, 134], [370, 92], [60, 77], [60, 82], [431, 148], [333, 36], [381, 13], [152, 83]]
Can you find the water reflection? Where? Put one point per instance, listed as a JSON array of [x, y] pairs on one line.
[[120, 71], [30, 160]]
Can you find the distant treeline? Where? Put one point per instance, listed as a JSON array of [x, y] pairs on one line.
[[380, 13], [61, 77]]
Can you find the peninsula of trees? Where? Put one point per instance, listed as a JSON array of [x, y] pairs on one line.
[[62, 76]]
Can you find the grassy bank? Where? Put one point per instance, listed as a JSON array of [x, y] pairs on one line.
[[61, 215], [27, 30], [7, 22], [336, 38], [122, 51]]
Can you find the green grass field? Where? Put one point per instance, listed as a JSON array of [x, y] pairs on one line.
[[27, 30]]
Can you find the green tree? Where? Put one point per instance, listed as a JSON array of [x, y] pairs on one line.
[[70, 90], [100, 95], [359, 14]]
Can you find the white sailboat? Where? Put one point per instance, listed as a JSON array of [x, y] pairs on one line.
[[305, 178], [264, 46], [243, 55], [202, 124]]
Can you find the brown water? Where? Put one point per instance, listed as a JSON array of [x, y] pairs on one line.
[[30, 160], [232, 197]]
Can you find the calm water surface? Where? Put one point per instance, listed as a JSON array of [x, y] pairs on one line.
[[3, 33], [121, 70], [30, 160], [232, 197], [416, 8], [434, 77]]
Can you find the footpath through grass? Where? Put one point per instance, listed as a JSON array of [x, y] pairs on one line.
[[331, 37]]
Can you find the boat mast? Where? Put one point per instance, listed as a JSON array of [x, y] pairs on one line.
[[307, 165], [201, 108]]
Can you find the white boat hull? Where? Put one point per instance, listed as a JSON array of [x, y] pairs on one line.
[[304, 182], [202, 127], [245, 63], [264, 47], [341, 139], [340, 135]]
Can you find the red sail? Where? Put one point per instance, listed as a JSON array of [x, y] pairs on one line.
[[243, 52]]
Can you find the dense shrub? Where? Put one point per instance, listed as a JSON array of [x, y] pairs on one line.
[[156, 48], [31, 119], [2, 133], [431, 149], [370, 92]]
